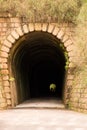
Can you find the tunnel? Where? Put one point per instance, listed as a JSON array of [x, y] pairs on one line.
[[37, 61]]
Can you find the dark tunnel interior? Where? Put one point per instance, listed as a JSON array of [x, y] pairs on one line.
[[38, 61]]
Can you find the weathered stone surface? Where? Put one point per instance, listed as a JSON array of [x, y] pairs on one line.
[[44, 27], [60, 34], [70, 47], [2, 100], [3, 60], [7, 89], [19, 30], [6, 77], [69, 82], [6, 83], [7, 43], [4, 71], [9, 102], [8, 95], [70, 54], [71, 59], [17, 25], [4, 54], [3, 66], [3, 105], [31, 27], [4, 25], [38, 26], [71, 65], [15, 34], [67, 43], [70, 77], [11, 39], [65, 37], [55, 31], [1, 95], [25, 28], [15, 20], [50, 28], [4, 48]]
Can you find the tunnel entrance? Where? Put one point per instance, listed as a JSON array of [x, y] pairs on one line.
[[38, 60]]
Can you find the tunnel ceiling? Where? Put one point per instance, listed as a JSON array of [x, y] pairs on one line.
[[38, 47], [38, 54]]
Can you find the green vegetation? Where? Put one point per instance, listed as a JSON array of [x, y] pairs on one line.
[[43, 10], [80, 72]]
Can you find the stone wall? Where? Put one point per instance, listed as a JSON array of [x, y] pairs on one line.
[[11, 29]]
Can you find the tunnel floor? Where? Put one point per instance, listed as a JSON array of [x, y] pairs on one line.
[[42, 103]]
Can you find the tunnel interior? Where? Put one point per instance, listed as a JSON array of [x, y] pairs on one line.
[[38, 61]]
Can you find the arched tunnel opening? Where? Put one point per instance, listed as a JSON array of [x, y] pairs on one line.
[[38, 61]]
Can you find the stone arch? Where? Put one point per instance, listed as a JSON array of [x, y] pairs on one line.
[[6, 79]]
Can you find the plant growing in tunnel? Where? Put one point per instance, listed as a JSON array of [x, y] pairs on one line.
[[66, 55]]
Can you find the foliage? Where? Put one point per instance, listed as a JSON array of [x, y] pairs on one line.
[[81, 35], [81, 48], [82, 17], [44, 10]]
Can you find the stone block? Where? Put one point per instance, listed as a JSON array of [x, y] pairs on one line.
[[8, 95], [65, 38], [5, 49], [4, 72], [1, 95], [3, 60], [71, 65], [15, 34], [19, 31], [69, 82], [15, 20], [55, 31], [31, 27], [25, 28], [7, 43], [3, 105], [1, 86], [70, 47], [70, 76], [60, 34], [44, 27], [7, 89], [50, 28], [4, 54], [71, 59], [6, 83], [9, 102], [11, 39], [67, 43], [12, 25], [16, 25], [38, 26], [6, 77], [2, 100], [3, 66], [4, 25], [70, 54], [4, 29], [0, 25]]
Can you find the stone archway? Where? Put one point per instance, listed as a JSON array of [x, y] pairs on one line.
[[17, 39]]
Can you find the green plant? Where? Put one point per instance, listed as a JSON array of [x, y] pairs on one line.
[[44, 10]]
